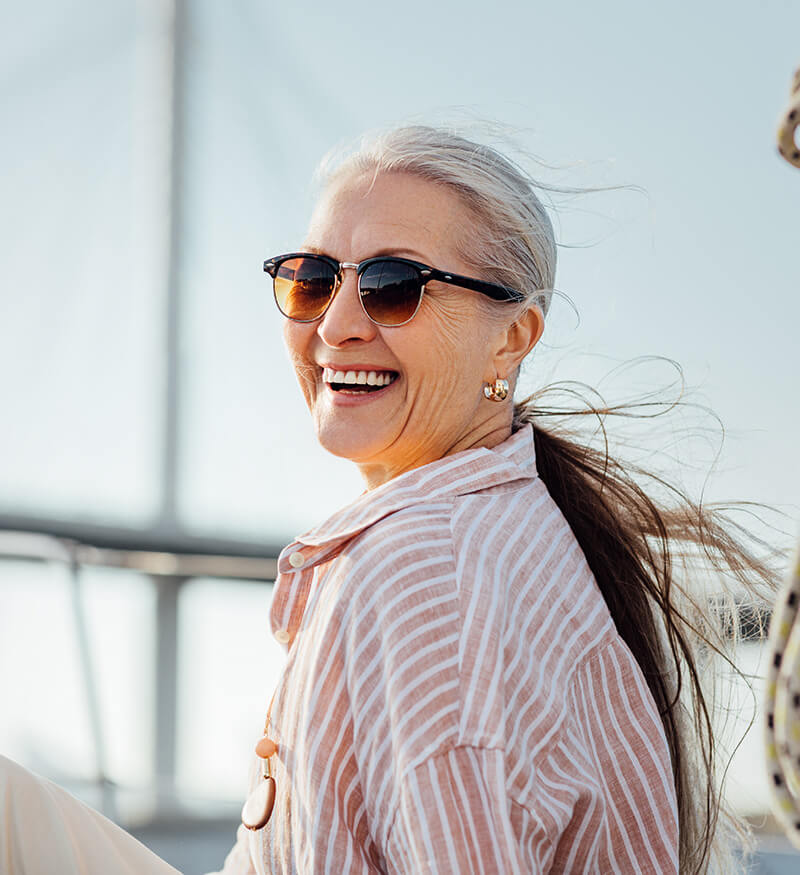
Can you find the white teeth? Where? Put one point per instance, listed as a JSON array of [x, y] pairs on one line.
[[368, 378]]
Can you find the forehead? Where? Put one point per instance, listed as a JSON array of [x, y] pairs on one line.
[[359, 216]]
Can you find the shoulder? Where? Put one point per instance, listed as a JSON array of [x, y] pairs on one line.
[[520, 569], [508, 527]]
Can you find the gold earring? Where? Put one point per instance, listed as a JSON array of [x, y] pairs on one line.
[[497, 391]]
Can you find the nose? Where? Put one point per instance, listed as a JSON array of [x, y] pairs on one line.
[[345, 321]]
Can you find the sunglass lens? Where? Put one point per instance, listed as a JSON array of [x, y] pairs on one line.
[[390, 291], [303, 287]]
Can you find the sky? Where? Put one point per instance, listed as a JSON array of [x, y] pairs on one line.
[[690, 256]]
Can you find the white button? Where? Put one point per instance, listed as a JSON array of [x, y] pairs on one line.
[[282, 636], [296, 559]]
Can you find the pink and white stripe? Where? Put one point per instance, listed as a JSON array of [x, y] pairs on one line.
[[456, 697]]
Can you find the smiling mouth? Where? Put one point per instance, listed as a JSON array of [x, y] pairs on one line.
[[358, 382]]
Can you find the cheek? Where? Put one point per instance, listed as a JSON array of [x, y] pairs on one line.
[[292, 336], [297, 336], [456, 340]]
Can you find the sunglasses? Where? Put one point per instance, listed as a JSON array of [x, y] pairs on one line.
[[390, 289]]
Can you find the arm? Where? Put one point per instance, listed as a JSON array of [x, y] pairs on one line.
[[602, 797], [454, 816], [626, 751]]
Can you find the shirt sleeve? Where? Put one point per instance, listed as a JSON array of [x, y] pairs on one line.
[[622, 739], [602, 798], [454, 816]]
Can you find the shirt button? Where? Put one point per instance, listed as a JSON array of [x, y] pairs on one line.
[[296, 559], [282, 636]]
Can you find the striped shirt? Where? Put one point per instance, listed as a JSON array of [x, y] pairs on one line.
[[456, 697]]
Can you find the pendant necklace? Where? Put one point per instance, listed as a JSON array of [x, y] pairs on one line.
[[258, 806]]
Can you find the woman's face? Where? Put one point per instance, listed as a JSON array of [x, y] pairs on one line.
[[438, 362]]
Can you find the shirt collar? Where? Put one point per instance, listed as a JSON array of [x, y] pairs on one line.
[[448, 477]]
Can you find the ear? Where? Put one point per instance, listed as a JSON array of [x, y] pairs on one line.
[[517, 340]]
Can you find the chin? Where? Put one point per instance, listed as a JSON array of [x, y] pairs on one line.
[[348, 443]]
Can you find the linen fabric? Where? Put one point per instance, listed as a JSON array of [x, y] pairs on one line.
[[456, 697]]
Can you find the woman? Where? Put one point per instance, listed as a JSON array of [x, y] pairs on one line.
[[485, 650], [489, 669]]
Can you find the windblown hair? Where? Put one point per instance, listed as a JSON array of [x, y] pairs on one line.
[[635, 544]]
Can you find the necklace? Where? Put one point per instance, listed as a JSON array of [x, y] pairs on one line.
[[258, 806]]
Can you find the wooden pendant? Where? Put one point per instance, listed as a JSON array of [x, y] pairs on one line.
[[266, 747], [257, 809]]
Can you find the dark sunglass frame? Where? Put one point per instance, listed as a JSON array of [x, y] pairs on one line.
[[426, 273]]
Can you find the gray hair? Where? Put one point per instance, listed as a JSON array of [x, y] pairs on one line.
[[512, 240]]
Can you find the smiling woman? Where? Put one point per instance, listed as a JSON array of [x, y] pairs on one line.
[[492, 666]]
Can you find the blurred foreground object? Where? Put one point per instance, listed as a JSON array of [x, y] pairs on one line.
[[787, 127], [782, 705]]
